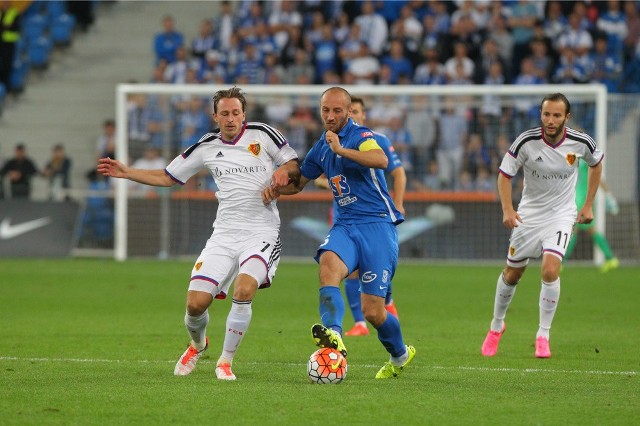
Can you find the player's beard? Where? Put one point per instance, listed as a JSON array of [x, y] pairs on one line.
[[553, 137], [336, 126]]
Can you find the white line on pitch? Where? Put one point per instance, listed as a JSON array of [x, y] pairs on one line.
[[434, 367]]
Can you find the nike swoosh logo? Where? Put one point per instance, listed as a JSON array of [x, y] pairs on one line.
[[336, 365], [8, 231]]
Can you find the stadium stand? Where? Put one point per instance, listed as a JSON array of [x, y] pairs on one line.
[[426, 37]]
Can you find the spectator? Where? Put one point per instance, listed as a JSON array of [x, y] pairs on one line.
[[19, 169], [151, 159], [350, 48], [400, 139], [633, 29], [224, 24], [476, 155], [325, 51], [204, 41], [294, 43], [613, 23], [364, 68], [452, 136], [194, 122], [264, 41], [384, 76], [159, 72], [374, 28], [465, 182], [489, 56], [250, 66], [281, 19], [274, 72], [431, 71], [301, 70], [431, 38], [408, 29], [58, 170], [542, 62], [526, 111], [465, 31], [523, 18], [431, 180], [176, 71], [342, 28], [570, 70], [503, 38], [397, 62], [443, 19], [606, 66], [555, 21], [421, 124], [106, 142], [313, 33], [576, 39], [167, 42], [459, 75], [248, 24], [485, 181], [278, 110], [213, 72], [492, 115], [302, 126], [233, 54], [461, 58]]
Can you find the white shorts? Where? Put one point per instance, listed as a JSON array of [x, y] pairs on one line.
[[231, 252], [530, 242]]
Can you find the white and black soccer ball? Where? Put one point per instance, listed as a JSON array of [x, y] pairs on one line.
[[327, 366]]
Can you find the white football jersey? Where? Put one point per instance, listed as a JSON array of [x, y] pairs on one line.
[[550, 172], [242, 169]]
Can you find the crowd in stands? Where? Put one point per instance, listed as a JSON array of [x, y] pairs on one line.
[[394, 42]]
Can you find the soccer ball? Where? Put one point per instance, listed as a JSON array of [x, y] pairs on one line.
[[326, 366]]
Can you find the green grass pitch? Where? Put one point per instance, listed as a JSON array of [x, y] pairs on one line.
[[95, 342]]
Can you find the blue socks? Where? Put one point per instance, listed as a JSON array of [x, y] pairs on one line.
[[331, 308], [352, 290], [390, 335]]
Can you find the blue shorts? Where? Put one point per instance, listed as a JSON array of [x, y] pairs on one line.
[[372, 248]]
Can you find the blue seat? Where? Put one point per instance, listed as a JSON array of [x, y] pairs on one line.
[[34, 26], [19, 74], [39, 52], [56, 8], [62, 29]]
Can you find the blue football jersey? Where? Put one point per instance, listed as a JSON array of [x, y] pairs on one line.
[[360, 192]]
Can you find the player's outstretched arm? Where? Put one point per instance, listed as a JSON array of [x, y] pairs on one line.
[[116, 169]]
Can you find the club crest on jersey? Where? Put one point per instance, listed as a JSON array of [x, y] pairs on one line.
[[254, 148], [198, 265], [512, 251], [571, 158]]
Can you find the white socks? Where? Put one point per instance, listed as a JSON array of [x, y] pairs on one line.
[[549, 295], [504, 295], [197, 327], [237, 324]]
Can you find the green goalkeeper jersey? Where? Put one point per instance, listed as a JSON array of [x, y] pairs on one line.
[[582, 183]]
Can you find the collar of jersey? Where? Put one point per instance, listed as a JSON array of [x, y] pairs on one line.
[[564, 136], [233, 142]]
